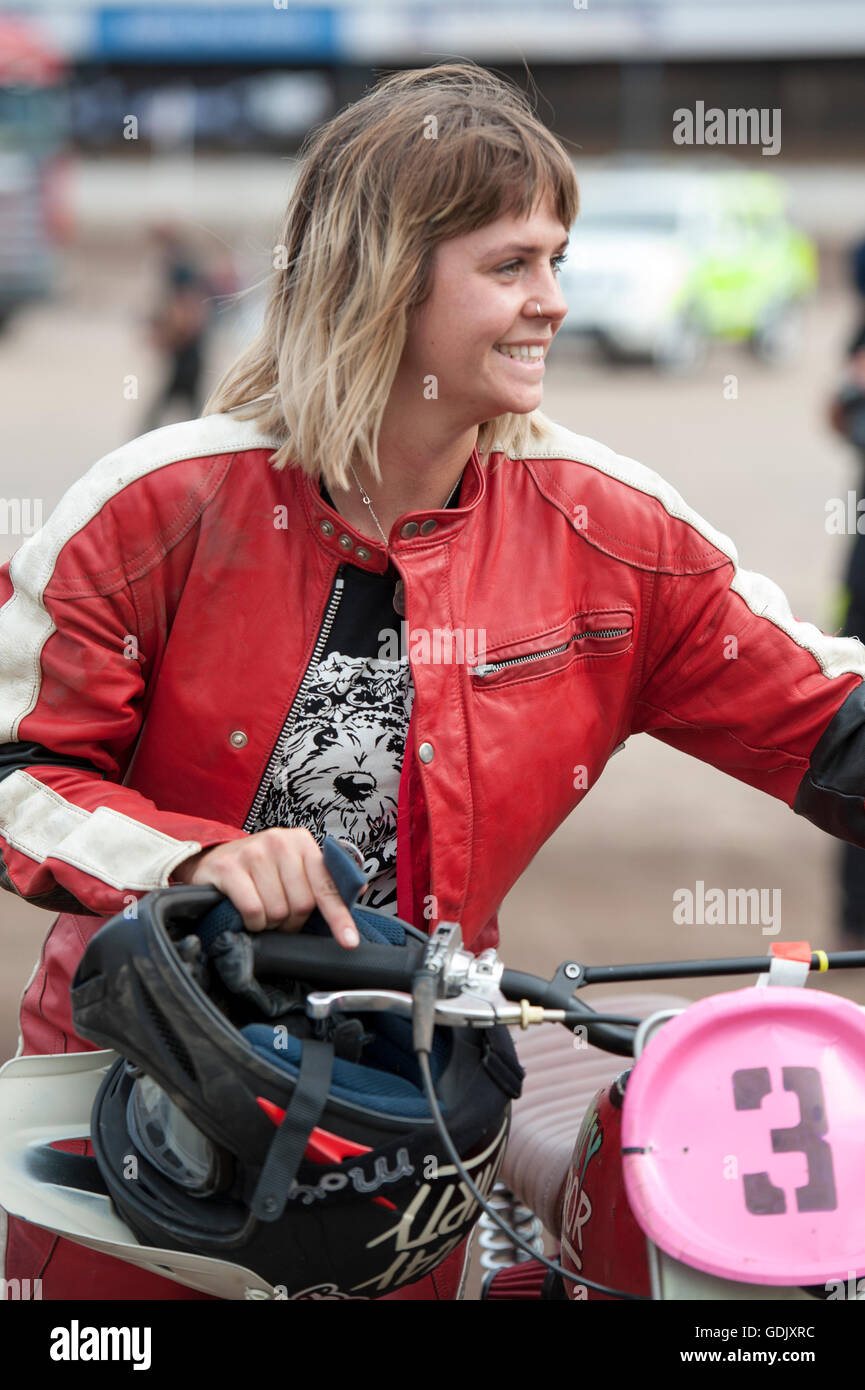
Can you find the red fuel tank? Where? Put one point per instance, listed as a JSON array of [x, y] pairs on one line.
[[600, 1237]]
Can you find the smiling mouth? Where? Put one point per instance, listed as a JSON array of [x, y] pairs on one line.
[[533, 356]]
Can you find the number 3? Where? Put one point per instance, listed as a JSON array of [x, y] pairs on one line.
[[762, 1197]]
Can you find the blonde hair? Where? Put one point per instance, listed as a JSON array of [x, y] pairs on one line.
[[424, 156]]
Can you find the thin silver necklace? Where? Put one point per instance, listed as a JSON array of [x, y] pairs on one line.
[[399, 591]]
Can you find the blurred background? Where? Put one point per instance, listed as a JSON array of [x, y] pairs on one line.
[[146, 153]]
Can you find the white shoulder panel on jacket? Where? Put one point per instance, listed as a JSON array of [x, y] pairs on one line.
[[25, 624], [34, 561], [835, 655], [562, 443]]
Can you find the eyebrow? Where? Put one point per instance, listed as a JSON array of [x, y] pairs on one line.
[[526, 250]]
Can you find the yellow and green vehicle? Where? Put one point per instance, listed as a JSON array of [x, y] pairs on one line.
[[665, 260]]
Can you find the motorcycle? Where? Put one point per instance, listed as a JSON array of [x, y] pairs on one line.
[[720, 1164]]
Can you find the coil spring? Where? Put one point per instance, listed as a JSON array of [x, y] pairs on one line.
[[497, 1249]]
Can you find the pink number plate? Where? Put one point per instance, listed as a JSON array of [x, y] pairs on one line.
[[743, 1136]]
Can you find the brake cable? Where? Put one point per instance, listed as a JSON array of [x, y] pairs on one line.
[[423, 1022]]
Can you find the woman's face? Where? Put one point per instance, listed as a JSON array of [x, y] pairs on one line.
[[486, 287]]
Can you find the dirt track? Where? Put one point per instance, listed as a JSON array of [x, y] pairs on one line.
[[760, 468]]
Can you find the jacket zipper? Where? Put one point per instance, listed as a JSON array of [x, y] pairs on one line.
[[330, 615], [536, 656]]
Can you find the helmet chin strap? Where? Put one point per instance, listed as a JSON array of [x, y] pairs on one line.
[[303, 1114]]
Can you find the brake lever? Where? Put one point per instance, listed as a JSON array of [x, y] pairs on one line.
[[322, 1004], [464, 1009]]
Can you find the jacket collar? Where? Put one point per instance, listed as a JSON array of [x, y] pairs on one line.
[[409, 532]]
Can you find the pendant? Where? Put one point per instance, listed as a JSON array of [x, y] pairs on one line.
[[399, 598]]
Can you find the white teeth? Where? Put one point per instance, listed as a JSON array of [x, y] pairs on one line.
[[523, 354]]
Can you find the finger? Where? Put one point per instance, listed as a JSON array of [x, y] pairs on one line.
[[240, 890], [271, 888], [285, 860], [299, 895], [328, 898]]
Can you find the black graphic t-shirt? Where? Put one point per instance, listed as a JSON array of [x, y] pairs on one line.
[[336, 767]]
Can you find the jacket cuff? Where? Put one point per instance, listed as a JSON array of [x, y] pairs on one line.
[[832, 793]]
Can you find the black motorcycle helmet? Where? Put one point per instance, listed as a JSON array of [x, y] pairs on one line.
[[236, 1127]]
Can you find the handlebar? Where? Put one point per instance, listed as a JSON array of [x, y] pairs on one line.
[[322, 961], [465, 990]]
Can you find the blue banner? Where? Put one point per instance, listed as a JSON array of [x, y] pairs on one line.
[[212, 33]]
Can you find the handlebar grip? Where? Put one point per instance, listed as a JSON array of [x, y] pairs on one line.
[[223, 917], [320, 960]]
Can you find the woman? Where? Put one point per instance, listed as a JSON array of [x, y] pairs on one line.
[[199, 673]]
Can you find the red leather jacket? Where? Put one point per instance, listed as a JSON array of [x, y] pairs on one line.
[[154, 633]]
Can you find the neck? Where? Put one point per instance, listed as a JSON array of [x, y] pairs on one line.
[[422, 483]]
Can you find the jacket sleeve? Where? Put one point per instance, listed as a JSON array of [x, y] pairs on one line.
[[733, 678], [72, 694]]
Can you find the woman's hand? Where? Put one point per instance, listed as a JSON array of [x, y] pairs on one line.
[[274, 878]]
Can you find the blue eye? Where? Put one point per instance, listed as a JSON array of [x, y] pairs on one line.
[[556, 261]]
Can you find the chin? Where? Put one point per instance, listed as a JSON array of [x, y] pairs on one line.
[[521, 406]]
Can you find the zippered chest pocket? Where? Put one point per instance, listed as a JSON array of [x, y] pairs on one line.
[[601, 633]]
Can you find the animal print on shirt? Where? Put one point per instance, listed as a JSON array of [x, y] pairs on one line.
[[340, 768]]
